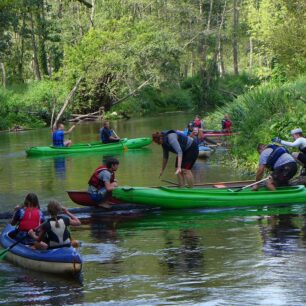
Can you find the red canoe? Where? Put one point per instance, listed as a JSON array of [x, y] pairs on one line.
[[218, 133]]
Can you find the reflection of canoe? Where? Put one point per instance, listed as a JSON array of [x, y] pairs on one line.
[[83, 198], [90, 147], [65, 261], [204, 151], [165, 197]]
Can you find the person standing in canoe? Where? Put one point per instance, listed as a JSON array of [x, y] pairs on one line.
[[58, 135], [277, 160], [107, 135], [300, 143], [103, 182], [54, 232], [27, 217], [186, 151]]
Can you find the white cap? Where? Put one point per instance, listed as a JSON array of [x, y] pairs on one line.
[[296, 131]]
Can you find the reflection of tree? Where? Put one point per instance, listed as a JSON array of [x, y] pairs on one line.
[[188, 256], [279, 234]]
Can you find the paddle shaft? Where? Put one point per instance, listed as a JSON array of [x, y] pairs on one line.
[[247, 186]]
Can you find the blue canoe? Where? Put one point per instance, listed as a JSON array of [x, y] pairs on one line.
[[65, 260], [204, 151]]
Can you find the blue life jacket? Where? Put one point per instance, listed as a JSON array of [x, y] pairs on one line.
[[105, 134], [58, 138], [181, 137], [277, 152]]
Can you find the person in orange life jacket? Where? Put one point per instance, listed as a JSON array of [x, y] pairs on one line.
[[197, 122], [54, 232], [58, 134], [300, 143], [277, 160], [186, 150], [107, 135], [226, 123], [103, 181], [27, 217]]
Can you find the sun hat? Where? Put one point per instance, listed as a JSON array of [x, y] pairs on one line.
[[296, 131]]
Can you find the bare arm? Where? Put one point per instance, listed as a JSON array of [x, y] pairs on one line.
[[259, 174], [110, 186], [70, 130], [73, 219]]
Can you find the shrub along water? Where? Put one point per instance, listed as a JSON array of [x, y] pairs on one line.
[[270, 110]]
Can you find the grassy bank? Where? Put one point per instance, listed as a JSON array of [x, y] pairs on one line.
[[269, 110]]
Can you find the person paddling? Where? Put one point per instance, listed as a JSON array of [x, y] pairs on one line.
[[102, 181], [54, 232], [186, 151], [27, 217], [277, 160], [300, 143], [107, 135], [58, 135]]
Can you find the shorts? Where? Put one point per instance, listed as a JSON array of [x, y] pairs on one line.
[[302, 158], [284, 173], [189, 157], [99, 196]]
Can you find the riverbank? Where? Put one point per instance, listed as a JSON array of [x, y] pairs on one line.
[[269, 110]]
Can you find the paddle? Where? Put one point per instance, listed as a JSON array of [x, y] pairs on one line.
[[247, 186], [169, 182], [125, 148]]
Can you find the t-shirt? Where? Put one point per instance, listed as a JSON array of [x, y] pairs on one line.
[[105, 133], [104, 176], [298, 143], [174, 143], [282, 160]]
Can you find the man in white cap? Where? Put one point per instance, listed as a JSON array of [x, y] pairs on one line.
[[300, 143]]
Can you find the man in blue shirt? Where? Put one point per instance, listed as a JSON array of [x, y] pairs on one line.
[[58, 135], [107, 135]]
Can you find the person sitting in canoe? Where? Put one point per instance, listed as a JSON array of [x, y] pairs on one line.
[[300, 143], [226, 124], [27, 217], [54, 232], [107, 135], [186, 150], [58, 135], [198, 122], [189, 129], [279, 162], [103, 181]]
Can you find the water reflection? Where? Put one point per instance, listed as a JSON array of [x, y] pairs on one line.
[[60, 167]]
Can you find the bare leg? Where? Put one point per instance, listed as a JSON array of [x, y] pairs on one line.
[[68, 143], [189, 177], [271, 185], [181, 180]]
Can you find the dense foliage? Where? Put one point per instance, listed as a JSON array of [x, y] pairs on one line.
[[144, 56]]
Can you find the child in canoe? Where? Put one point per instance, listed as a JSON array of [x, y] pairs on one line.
[[27, 217], [54, 232]]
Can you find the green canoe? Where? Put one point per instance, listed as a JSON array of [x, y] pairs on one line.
[[183, 198], [90, 147]]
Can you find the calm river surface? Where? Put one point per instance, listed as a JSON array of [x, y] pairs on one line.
[[192, 257]]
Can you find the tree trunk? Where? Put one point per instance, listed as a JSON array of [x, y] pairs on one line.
[[34, 46], [3, 75], [42, 37], [251, 55], [220, 60], [92, 13], [235, 36]]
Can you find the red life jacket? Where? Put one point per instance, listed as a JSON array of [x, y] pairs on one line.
[[197, 123], [227, 124], [30, 220], [96, 182]]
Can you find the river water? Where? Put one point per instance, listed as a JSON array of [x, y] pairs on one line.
[[192, 257]]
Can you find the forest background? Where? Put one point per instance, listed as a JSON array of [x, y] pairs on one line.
[[242, 57]]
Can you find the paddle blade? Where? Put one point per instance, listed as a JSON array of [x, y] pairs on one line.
[[125, 148], [3, 254]]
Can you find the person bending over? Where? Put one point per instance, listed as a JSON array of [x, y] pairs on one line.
[[277, 160], [186, 151], [300, 143]]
